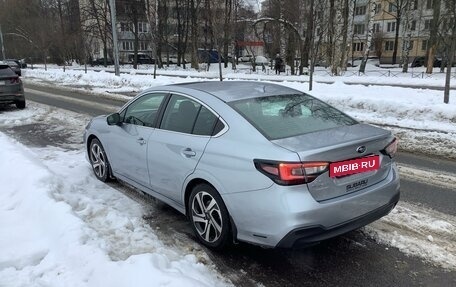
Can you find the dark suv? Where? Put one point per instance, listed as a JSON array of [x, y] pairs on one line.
[[420, 62], [11, 88], [142, 59]]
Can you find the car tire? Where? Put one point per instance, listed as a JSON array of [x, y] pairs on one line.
[[99, 161], [20, 105], [209, 217]]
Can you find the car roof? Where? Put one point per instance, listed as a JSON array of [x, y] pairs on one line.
[[229, 91]]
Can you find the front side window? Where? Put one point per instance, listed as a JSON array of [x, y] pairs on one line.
[[286, 116], [143, 111]]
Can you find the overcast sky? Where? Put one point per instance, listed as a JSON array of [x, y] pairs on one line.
[[256, 4]]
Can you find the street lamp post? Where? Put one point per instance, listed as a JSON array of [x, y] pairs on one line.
[[114, 37]]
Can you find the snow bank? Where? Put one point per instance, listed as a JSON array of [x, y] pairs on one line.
[[418, 116], [61, 227]]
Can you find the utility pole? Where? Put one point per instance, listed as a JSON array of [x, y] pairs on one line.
[[3, 46], [114, 37]]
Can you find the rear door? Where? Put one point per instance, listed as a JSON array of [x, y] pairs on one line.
[[176, 147]]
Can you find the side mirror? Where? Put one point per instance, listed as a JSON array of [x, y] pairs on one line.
[[113, 119]]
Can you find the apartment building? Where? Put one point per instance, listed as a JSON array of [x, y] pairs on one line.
[[413, 30]]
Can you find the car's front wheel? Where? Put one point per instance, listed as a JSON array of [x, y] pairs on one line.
[[209, 217], [99, 160]]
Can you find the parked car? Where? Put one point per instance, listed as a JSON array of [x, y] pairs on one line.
[[21, 63], [141, 59], [374, 61], [246, 58], [420, 62], [305, 172], [211, 56], [261, 60], [14, 66], [11, 88], [101, 62], [172, 60]]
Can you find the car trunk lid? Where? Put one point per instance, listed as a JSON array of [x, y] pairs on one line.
[[337, 145]]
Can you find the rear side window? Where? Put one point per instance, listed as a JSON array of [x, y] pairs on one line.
[[185, 115], [6, 71], [180, 114], [286, 116]]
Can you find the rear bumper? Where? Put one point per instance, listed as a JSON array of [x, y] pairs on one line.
[[287, 216], [302, 237], [9, 99]]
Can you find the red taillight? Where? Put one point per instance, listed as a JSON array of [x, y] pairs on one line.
[[391, 148], [291, 173], [15, 80]]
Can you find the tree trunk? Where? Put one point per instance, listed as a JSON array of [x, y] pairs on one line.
[[430, 55], [451, 52], [396, 37], [370, 32], [345, 16]]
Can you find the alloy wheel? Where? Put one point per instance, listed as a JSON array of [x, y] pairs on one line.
[[207, 217], [98, 160]]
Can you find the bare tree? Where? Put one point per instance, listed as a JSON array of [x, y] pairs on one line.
[[370, 33], [396, 9], [449, 43], [432, 44], [96, 23]]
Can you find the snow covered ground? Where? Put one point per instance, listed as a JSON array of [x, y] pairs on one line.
[[419, 118], [60, 226], [77, 231]]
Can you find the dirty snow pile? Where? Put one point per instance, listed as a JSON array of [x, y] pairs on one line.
[[61, 227]]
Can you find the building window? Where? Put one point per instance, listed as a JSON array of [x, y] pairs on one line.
[[429, 4], [414, 5], [389, 45], [376, 28], [391, 27], [361, 10], [413, 25], [424, 45], [127, 45], [359, 29], [125, 27], [392, 8], [142, 27], [427, 24], [358, 47], [378, 8], [143, 46]]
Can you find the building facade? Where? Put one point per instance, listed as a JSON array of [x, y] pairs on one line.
[[413, 31]]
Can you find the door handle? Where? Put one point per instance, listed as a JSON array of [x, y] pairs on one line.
[[141, 141], [188, 152]]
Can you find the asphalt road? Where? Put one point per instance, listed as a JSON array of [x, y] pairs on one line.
[[349, 260]]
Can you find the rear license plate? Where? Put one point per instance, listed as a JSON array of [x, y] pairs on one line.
[[353, 166], [2, 83]]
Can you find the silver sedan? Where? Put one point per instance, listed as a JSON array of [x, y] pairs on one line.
[[249, 161]]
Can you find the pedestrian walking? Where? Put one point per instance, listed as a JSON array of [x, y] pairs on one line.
[[278, 64]]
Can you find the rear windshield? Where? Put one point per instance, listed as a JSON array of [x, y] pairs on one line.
[[286, 116], [6, 71]]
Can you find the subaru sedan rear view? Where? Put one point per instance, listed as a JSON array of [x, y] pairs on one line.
[[249, 161]]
